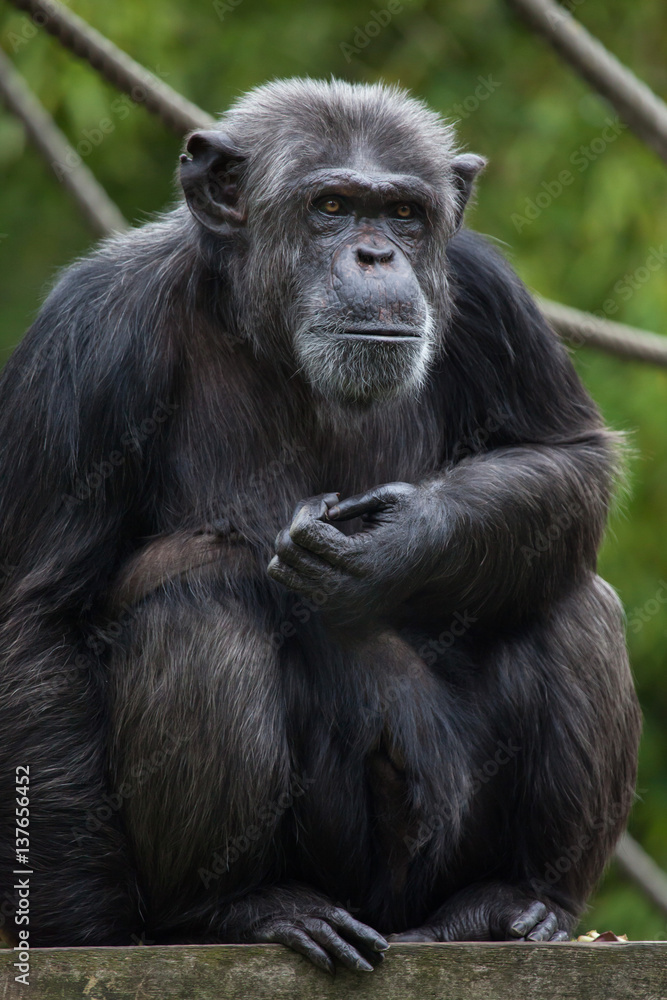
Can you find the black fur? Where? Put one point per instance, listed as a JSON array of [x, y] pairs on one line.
[[438, 736]]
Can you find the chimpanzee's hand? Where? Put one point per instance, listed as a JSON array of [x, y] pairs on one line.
[[364, 575], [310, 924], [493, 912]]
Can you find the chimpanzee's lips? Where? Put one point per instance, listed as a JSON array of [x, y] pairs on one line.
[[384, 333]]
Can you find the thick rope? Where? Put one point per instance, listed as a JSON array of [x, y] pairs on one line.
[[97, 207], [643, 871], [115, 65], [582, 329], [644, 111], [576, 327]]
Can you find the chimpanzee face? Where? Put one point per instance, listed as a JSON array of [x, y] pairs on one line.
[[367, 331], [341, 242]]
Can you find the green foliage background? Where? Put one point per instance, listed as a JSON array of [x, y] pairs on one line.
[[535, 117]]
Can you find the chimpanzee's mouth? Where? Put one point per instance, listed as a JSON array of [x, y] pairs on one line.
[[385, 333]]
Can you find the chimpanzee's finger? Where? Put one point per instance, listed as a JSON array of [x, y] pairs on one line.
[[357, 931], [298, 940], [528, 920], [319, 536], [289, 577], [545, 929], [335, 945], [317, 506], [379, 498], [303, 560]]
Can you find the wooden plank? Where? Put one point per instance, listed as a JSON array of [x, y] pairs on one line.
[[461, 971]]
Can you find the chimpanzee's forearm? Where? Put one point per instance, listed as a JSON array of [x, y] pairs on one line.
[[523, 524]]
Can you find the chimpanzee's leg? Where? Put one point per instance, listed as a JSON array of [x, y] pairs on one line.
[[578, 727], [203, 773]]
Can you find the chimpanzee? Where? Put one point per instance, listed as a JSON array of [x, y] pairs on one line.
[[302, 637]]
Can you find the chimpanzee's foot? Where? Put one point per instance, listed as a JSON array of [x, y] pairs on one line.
[[493, 912]]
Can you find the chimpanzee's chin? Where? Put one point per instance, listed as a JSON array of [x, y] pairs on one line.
[[362, 372]]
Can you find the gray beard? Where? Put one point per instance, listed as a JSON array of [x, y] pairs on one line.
[[362, 372]]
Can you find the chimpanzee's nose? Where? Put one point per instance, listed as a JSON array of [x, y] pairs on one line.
[[367, 254]]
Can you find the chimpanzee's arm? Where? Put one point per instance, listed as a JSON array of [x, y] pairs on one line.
[[72, 399], [526, 495], [502, 534], [516, 514]]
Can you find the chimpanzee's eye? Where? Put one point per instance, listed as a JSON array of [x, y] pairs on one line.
[[331, 206], [404, 211]]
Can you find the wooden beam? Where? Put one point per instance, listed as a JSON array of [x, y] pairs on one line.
[[503, 971]]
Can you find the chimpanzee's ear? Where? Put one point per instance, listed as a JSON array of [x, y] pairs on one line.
[[211, 172], [465, 168]]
